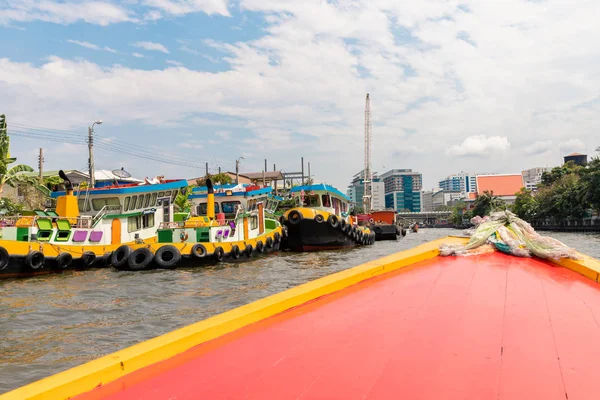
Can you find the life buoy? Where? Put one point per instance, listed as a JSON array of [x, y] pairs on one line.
[[167, 256], [259, 246], [64, 260], [249, 250], [199, 251], [295, 217], [120, 256], [218, 254], [235, 252], [4, 258], [88, 258], [140, 259], [105, 260], [269, 243], [319, 218], [35, 260], [333, 221], [277, 237]]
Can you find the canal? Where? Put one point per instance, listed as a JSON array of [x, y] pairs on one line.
[[52, 323]]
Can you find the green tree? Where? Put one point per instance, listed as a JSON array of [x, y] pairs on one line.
[[486, 203], [8, 207], [590, 179], [182, 202], [564, 199], [525, 206], [217, 179]]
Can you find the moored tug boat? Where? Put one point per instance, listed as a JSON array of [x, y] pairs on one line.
[[85, 228], [383, 224], [241, 230], [321, 221]]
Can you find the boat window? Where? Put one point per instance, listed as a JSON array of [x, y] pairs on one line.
[[133, 204], [126, 203], [312, 200], [107, 201], [202, 208], [168, 193], [147, 200], [83, 207], [228, 207], [148, 220], [153, 201], [325, 199], [161, 194], [133, 224], [254, 222]]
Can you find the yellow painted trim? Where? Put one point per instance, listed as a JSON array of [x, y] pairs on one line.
[[106, 369], [586, 266]]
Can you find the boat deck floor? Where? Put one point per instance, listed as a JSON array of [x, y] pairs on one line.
[[484, 327]]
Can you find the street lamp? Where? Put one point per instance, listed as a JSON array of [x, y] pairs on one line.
[[237, 169], [91, 152]]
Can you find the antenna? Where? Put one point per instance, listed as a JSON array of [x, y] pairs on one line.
[[121, 173], [368, 178]]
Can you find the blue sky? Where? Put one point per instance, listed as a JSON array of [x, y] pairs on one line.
[[454, 85]]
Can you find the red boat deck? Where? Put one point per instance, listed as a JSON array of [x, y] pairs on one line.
[[485, 327]]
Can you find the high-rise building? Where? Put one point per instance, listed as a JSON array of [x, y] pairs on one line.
[[463, 182], [356, 191], [577, 158], [402, 189], [533, 177]]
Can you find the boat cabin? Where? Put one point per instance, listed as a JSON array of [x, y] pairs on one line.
[[322, 197], [228, 198], [98, 216]]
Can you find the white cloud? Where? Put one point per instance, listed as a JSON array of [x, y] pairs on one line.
[[539, 147], [300, 87], [181, 7], [572, 145], [481, 146], [93, 12], [151, 46], [188, 145], [91, 46], [138, 55], [175, 63]]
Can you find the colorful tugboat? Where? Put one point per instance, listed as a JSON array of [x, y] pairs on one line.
[[231, 224], [410, 325], [85, 228], [383, 224], [321, 221]]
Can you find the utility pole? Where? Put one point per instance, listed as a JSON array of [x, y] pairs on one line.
[[91, 152], [309, 179], [41, 165], [302, 161], [237, 170]]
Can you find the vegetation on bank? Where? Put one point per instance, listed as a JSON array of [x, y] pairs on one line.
[[567, 193]]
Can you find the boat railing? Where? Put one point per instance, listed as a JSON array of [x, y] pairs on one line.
[[103, 211], [26, 221], [196, 224]]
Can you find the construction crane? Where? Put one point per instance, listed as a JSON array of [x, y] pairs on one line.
[[367, 173]]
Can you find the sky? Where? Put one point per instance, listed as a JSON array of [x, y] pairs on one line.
[[472, 85]]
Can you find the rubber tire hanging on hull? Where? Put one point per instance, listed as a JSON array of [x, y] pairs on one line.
[[249, 250], [260, 247], [219, 254], [199, 251], [35, 260], [105, 260], [167, 256], [4, 258], [64, 260], [88, 258], [120, 256], [235, 252], [140, 259]]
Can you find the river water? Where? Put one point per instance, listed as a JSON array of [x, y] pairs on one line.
[[51, 323]]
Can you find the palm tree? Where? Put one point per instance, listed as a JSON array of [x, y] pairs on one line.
[[11, 176]]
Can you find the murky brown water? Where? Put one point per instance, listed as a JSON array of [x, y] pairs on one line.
[[51, 323]]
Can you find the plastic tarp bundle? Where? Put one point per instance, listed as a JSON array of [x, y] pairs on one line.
[[511, 235]]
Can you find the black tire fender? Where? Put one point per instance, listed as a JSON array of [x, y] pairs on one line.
[[199, 251], [249, 250], [295, 217], [319, 218], [260, 247], [276, 237], [105, 260], [377, 229], [140, 259], [88, 258], [4, 258], [235, 252], [64, 260], [218, 254], [334, 221], [35, 260], [269, 243], [120, 256], [167, 256]]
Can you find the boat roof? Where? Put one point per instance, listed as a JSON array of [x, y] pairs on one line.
[[229, 193], [321, 187], [130, 188]]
